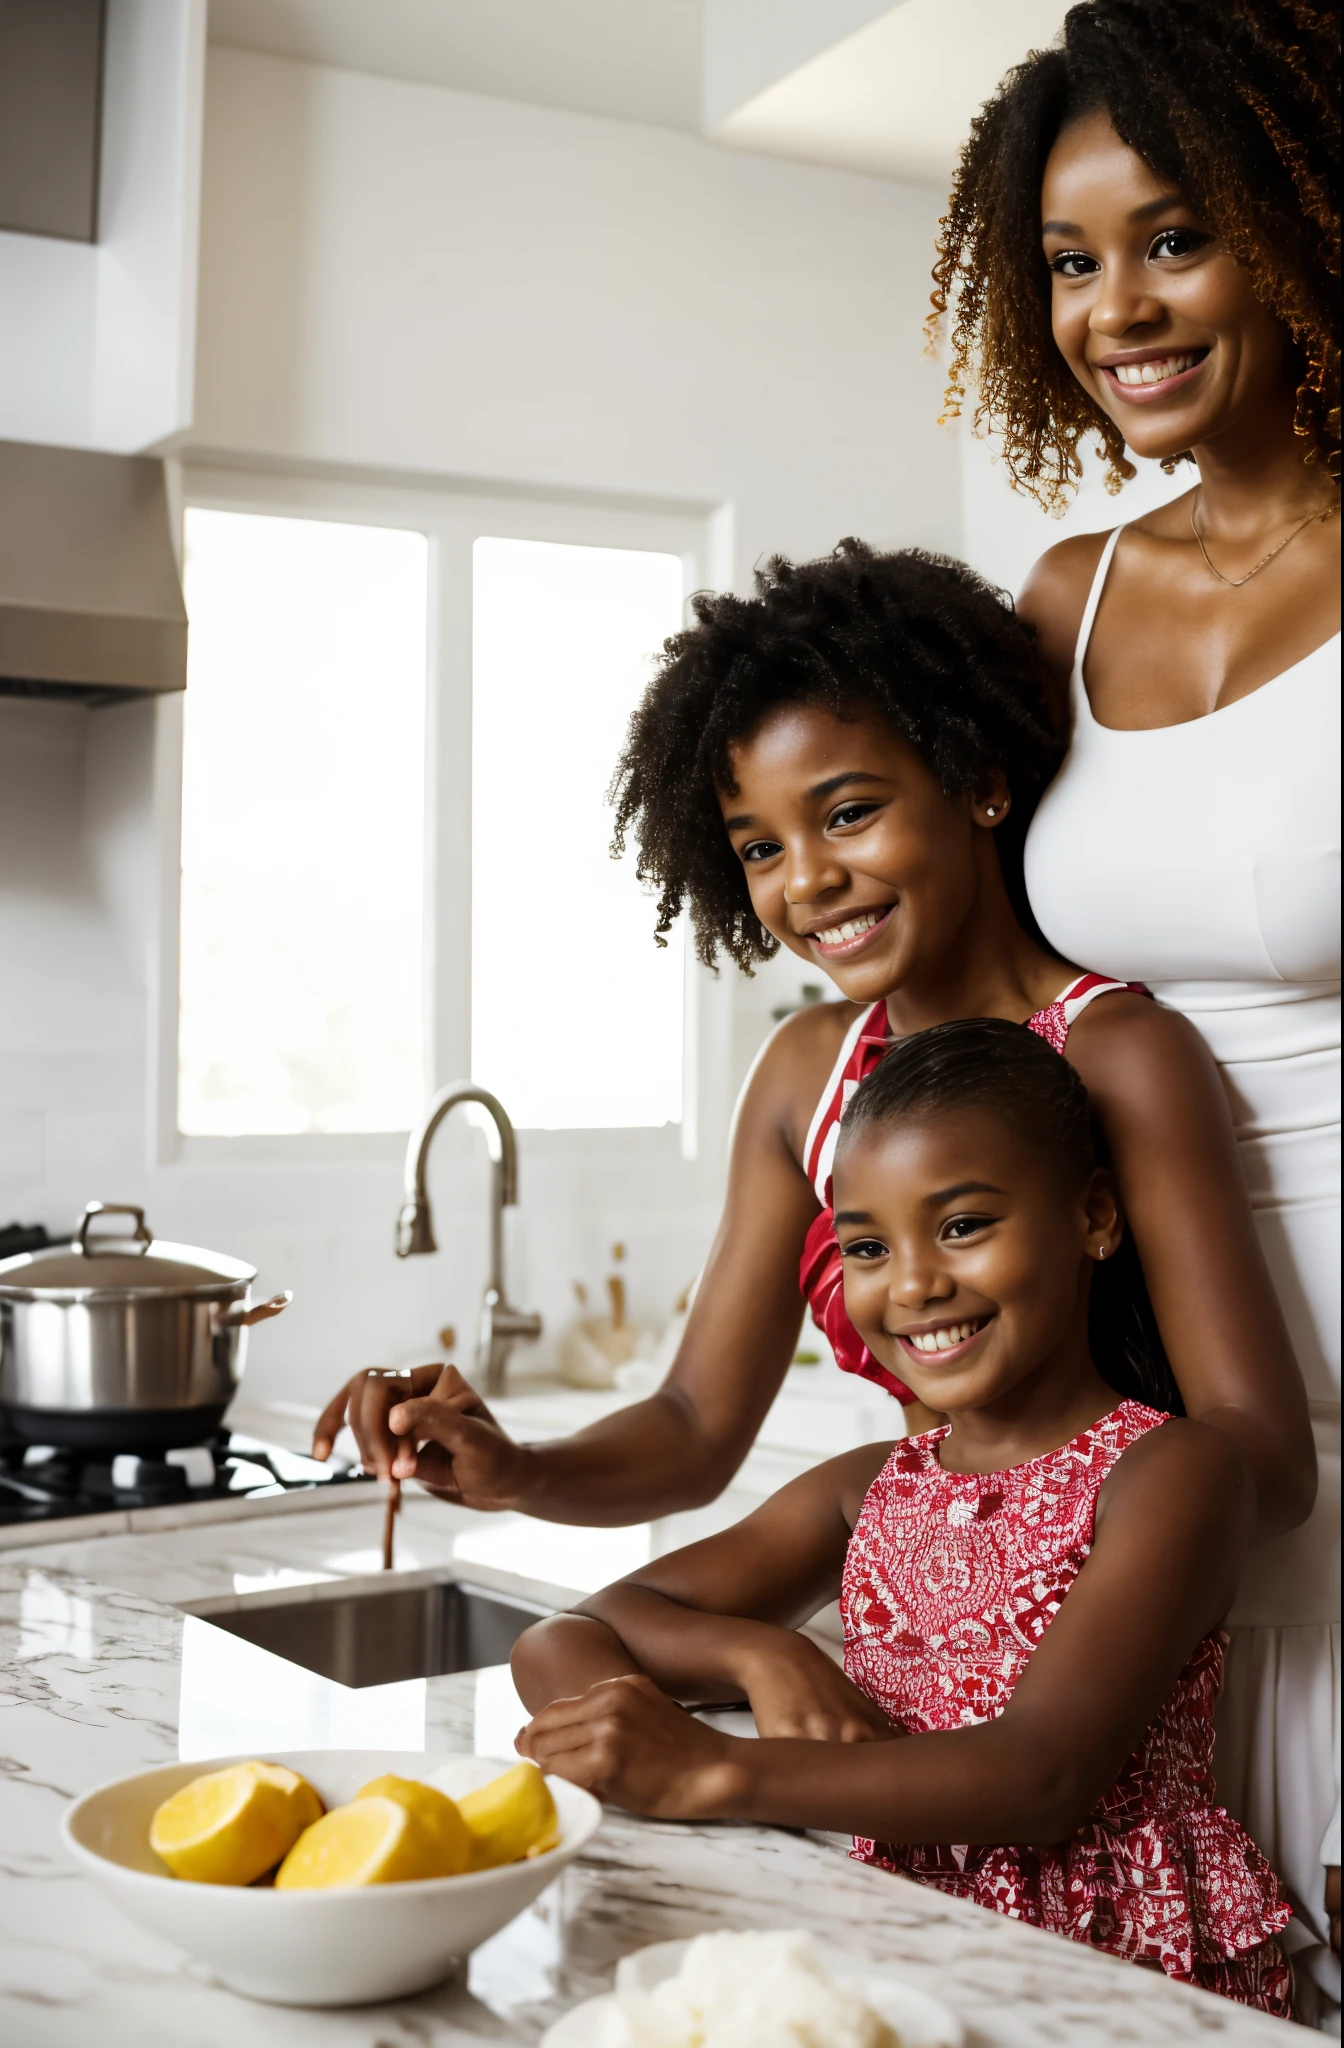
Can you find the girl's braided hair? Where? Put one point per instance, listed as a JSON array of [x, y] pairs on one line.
[[1009, 1072], [919, 639], [1236, 102]]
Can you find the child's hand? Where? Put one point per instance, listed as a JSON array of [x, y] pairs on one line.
[[794, 1689], [628, 1743]]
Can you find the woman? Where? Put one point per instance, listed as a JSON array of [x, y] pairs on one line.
[[1143, 248]]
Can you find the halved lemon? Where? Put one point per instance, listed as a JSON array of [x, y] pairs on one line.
[[370, 1841], [511, 1817], [304, 1797], [434, 1810], [230, 1826]]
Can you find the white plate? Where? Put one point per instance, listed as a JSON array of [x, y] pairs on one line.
[[921, 2021], [347, 1946]]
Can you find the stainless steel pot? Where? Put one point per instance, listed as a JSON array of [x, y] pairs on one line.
[[122, 1342]]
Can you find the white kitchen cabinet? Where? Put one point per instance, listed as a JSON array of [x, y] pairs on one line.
[[97, 339]]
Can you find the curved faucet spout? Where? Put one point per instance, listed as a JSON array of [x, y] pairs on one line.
[[415, 1224], [502, 1325]]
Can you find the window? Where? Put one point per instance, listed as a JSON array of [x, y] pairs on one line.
[[404, 708], [301, 993], [576, 1014]]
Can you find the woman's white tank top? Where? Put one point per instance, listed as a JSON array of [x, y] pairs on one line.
[[1205, 853], [1203, 859]]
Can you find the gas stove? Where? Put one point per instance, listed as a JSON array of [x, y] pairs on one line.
[[38, 1484]]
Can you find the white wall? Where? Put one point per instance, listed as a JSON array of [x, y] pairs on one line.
[[405, 279], [1004, 531], [410, 278]]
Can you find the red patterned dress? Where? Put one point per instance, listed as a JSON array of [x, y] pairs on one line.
[[951, 1580], [820, 1272]]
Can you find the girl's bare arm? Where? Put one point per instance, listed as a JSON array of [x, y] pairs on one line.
[[1173, 1525], [681, 1446], [718, 1620], [1164, 1111]]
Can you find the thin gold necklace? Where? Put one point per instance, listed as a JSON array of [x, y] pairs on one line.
[[1235, 582]]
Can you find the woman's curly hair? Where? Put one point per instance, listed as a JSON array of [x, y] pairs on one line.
[[919, 638], [1237, 103]]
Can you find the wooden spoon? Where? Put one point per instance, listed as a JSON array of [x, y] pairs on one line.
[[390, 1520]]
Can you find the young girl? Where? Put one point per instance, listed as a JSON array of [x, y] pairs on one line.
[[831, 766], [1031, 1592]]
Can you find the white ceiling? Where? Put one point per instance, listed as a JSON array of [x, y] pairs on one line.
[[894, 97], [634, 60], [897, 96]]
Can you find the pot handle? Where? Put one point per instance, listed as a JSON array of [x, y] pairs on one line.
[[242, 1318], [143, 1234]]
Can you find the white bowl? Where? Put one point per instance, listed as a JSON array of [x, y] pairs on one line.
[[343, 1947]]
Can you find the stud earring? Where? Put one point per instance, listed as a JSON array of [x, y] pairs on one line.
[[991, 810], [1101, 1251]]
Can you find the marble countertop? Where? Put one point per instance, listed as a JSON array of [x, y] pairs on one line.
[[110, 1664]]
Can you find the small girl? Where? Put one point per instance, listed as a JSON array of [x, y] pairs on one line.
[[1031, 1591]]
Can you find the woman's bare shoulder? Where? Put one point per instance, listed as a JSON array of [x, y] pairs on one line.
[[1054, 598]]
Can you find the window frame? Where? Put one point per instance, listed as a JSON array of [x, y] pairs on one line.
[[452, 519]]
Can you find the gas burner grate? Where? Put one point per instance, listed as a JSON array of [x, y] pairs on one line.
[[42, 1485]]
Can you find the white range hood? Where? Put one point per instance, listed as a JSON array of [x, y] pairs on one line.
[[90, 598]]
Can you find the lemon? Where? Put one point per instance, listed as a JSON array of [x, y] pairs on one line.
[[434, 1809], [229, 1826], [511, 1817], [370, 1841], [304, 1797]]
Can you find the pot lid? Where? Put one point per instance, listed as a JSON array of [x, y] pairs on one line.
[[119, 1261]]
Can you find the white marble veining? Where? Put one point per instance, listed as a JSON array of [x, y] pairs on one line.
[[211, 1564], [102, 1673]]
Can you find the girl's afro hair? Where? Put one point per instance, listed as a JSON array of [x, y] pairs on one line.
[[918, 638]]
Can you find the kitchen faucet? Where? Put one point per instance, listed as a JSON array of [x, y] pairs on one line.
[[502, 1326]]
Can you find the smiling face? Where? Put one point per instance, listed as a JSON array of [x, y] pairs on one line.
[[1153, 317], [854, 858], [967, 1251]]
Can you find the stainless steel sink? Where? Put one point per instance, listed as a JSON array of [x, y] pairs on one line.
[[377, 1637]]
